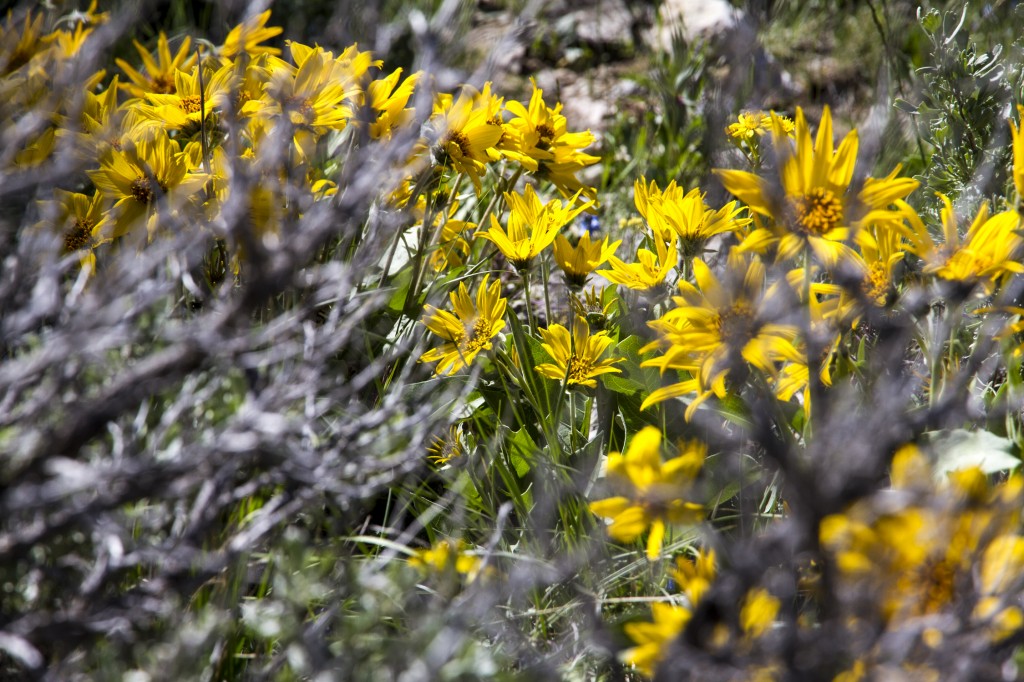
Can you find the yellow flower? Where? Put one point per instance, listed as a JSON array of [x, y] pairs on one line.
[[646, 275], [446, 556], [443, 450], [160, 69], [17, 48], [922, 561], [138, 176], [313, 96], [532, 226], [713, 327], [189, 105], [750, 124], [463, 133], [1018, 156], [469, 330], [653, 639], [389, 99], [247, 36], [653, 490], [695, 577], [577, 356], [452, 247], [815, 209], [758, 612], [672, 215], [986, 255], [79, 218], [547, 148], [579, 261]]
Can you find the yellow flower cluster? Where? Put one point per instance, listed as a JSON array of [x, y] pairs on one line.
[[951, 549], [758, 611], [171, 137]]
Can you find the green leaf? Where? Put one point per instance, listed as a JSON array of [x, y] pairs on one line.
[[962, 449], [633, 377], [521, 449]]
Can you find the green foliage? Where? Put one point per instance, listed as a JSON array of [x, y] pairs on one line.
[[967, 90]]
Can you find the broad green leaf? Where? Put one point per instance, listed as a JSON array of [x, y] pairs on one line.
[[962, 449]]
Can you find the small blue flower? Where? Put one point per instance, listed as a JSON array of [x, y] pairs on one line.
[[590, 224]]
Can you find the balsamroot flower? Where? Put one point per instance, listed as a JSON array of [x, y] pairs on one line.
[[469, 330], [577, 357], [444, 556], [649, 273], [986, 255], [465, 132], [158, 75], [654, 638], [712, 327], [816, 209], [577, 262], [546, 147], [961, 554], [139, 175], [532, 226], [672, 215], [653, 491]]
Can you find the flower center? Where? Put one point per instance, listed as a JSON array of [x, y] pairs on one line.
[[78, 235], [579, 369], [478, 338], [302, 107], [817, 212], [937, 578], [162, 84], [736, 325], [876, 283], [191, 104], [142, 191], [547, 134], [459, 140]]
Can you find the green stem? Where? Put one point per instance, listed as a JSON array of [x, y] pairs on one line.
[[529, 303]]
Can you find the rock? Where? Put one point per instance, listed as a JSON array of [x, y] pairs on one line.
[[698, 21]]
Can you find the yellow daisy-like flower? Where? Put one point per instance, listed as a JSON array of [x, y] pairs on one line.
[[653, 638], [469, 330], [987, 254], [695, 577], [79, 218], [751, 124], [715, 326], [159, 72], [579, 261], [546, 147], [17, 48], [815, 209], [444, 449], [532, 226], [758, 612], [464, 132], [247, 36], [446, 556], [1018, 156], [653, 490], [672, 214], [140, 174], [312, 97], [649, 273], [189, 105], [577, 356], [452, 246], [389, 100]]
